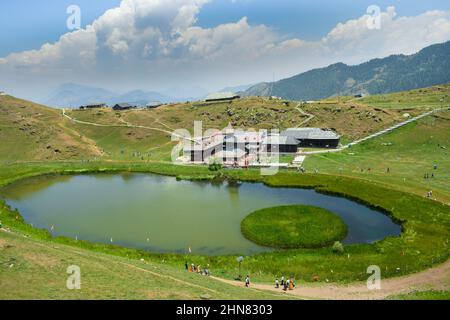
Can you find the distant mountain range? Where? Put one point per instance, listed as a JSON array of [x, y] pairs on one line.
[[75, 95], [430, 66], [237, 88]]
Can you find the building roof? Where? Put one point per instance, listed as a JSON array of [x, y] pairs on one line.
[[229, 154], [310, 133], [221, 96], [240, 136], [280, 139], [123, 105], [154, 104], [90, 105], [202, 144]]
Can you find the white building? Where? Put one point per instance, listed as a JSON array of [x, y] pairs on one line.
[[229, 147], [243, 148]]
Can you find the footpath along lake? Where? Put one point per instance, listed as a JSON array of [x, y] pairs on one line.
[[161, 214]]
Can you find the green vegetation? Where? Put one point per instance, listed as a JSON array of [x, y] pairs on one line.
[[292, 227], [215, 166], [37, 140], [423, 295], [338, 247], [36, 269], [398, 160], [423, 243], [433, 97]]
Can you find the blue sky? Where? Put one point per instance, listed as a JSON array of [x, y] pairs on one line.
[[306, 19], [192, 47], [36, 22]]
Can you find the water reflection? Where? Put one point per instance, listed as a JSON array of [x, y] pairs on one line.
[[165, 215]]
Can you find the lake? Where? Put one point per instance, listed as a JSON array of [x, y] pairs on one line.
[[161, 214]]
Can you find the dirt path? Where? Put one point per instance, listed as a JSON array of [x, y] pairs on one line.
[[125, 125], [309, 115], [437, 278]]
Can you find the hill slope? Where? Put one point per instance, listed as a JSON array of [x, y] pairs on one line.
[[36, 269], [31, 132], [395, 73], [39, 266]]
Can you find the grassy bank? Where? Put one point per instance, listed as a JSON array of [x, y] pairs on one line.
[[423, 295], [293, 227], [34, 269]]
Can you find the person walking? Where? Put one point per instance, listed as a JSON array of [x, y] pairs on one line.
[[247, 281], [282, 280], [277, 284]]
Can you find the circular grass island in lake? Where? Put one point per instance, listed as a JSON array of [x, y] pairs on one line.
[[291, 227]]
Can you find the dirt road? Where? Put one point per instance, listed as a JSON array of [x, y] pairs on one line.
[[437, 278]]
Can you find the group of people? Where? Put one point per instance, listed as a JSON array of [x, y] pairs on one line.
[[288, 284], [428, 176], [197, 269], [285, 285]]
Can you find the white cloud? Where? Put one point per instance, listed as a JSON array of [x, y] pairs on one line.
[[352, 40], [156, 44]]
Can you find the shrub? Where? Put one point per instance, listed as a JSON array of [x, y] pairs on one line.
[[338, 247], [215, 166]]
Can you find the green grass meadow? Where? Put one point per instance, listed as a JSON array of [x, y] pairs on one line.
[[293, 227]]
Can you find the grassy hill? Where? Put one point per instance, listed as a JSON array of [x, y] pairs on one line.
[[37, 139], [32, 132], [40, 267], [352, 118], [408, 153]]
